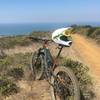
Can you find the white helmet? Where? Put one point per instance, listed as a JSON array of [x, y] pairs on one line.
[[62, 36]]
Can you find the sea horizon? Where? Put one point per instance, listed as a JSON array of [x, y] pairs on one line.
[[12, 29]]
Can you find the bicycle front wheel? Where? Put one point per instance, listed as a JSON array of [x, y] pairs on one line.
[[65, 85], [37, 66]]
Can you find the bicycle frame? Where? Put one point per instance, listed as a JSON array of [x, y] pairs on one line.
[[50, 63], [51, 71], [48, 57]]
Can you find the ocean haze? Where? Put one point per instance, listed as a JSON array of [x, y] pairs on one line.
[[26, 28]]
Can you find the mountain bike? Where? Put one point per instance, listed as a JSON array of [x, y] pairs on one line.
[[63, 82]]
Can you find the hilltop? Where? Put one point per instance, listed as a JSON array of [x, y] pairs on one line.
[[15, 65]]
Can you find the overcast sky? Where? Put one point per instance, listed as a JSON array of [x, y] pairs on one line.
[[22, 11]]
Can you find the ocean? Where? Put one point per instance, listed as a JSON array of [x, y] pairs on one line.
[[27, 28]]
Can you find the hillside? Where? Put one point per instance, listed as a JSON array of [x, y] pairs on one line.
[[83, 50], [23, 40]]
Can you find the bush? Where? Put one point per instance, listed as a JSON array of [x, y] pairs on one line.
[[14, 62], [84, 79], [16, 73], [89, 31], [11, 42], [7, 87], [40, 34], [5, 63], [96, 33]]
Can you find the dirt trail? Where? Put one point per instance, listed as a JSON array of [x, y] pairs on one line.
[[90, 54]]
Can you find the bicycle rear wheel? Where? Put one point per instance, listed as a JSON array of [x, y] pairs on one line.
[[37, 66], [65, 85]]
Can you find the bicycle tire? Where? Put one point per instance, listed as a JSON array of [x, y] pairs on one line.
[[33, 67], [73, 79]]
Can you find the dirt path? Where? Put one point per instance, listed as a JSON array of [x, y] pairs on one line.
[[90, 54]]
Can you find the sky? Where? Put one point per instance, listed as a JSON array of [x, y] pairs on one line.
[[48, 11]]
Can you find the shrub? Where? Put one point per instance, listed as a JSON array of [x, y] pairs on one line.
[[40, 34], [89, 31], [5, 62], [17, 62], [16, 73], [7, 87], [84, 79], [96, 33], [11, 42]]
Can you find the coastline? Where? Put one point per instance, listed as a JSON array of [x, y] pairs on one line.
[[27, 28]]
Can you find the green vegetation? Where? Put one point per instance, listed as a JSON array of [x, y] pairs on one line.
[[16, 73], [12, 41], [7, 87], [13, 68], [89, 31], [81, 72], [16, 67], [15, 61], [40, 34]]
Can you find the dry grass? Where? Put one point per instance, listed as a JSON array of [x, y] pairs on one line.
[[82, 50], [38, 90]]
